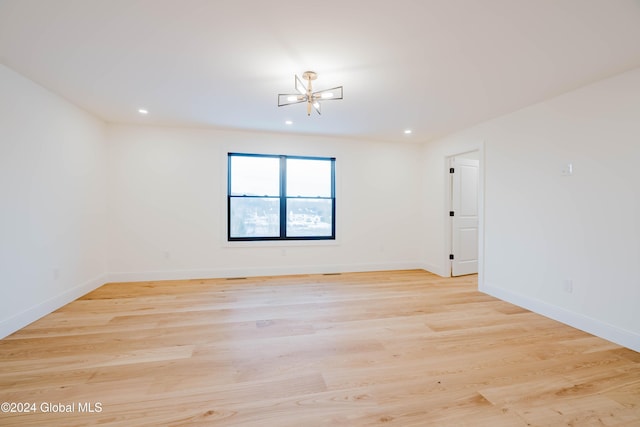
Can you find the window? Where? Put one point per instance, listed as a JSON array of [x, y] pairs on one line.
[[272, 197]]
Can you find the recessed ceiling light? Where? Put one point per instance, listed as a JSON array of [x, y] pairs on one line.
[[288, 122], [142, 111], [407, 131]]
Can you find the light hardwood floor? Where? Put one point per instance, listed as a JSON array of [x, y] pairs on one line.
[[401, 348]]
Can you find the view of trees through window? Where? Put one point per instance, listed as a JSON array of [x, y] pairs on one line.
[[280, 197]]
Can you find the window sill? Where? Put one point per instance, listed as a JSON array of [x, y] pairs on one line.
[[279, 243]]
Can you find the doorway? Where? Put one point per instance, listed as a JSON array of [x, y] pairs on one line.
[[463, 228]]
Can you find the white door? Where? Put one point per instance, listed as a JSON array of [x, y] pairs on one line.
[[464, 216]]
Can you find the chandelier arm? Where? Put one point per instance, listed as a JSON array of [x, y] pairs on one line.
[[299, 86], [332, 91], [290, 99]]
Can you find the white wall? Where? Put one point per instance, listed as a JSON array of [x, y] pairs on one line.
[[52, 202], [542, 228], [167, 199]]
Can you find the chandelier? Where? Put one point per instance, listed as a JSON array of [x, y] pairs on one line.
[[306, 94]]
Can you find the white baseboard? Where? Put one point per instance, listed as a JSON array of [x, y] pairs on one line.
[[20, 320], [435, 269], [593, 326], [144, 276]]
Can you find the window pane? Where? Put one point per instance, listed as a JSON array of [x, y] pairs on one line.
[[309, 217], [255, 217], [255, 176], [309, 178]]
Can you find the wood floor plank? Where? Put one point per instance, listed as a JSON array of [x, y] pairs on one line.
[[393, 348]]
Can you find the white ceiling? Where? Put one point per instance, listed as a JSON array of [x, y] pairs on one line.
[[434, 66]]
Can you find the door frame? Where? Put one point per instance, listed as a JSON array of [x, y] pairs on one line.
[[447, 207]]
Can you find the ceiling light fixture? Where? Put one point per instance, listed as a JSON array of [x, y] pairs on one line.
[[143, 111], [407, 132], [306, 94]]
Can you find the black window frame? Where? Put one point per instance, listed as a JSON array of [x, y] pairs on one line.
[[282, 198]]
